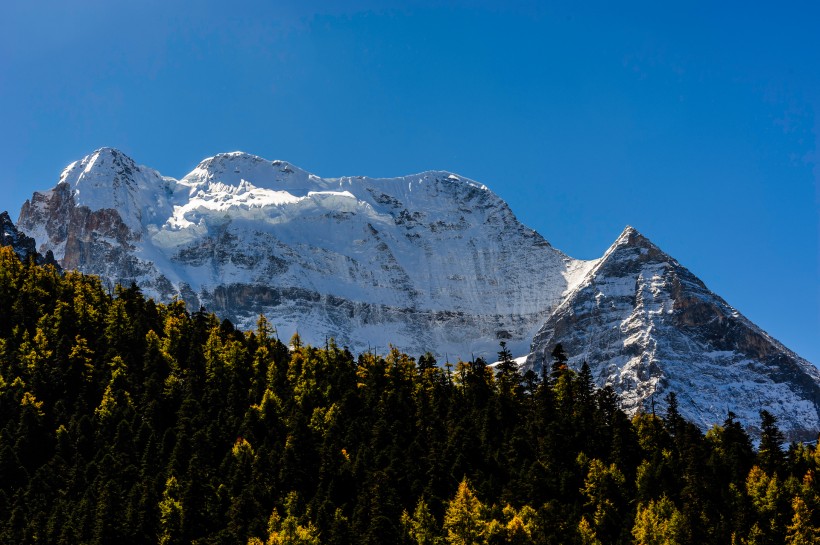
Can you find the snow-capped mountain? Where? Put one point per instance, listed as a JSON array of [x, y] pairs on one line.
[[648, 326], [431, 261]]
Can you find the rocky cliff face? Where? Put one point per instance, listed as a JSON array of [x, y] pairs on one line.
[[91, 223], [647, 326], [431, 261]]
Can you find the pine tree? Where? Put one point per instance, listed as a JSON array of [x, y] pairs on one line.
[[426, 361], [801, 531], [506, 365], [658, 523], [291, 530], [421, 528], [586, 533], [559, 361], [770, 503], [464, 521], [770, 454], [603, 488], [171, 514], [673, 420]]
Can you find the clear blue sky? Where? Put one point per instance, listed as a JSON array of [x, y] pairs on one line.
[[697, 123]]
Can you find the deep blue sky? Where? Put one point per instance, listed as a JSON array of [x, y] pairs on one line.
[[696, 123]]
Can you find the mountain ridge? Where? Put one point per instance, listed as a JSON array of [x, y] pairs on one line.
[[431, 261], [434, 246]]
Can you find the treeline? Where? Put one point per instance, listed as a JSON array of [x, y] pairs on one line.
[[125, 421]]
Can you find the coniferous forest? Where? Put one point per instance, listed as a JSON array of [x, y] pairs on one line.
[[126, 421]]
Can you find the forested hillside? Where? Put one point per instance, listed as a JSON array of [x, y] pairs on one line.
[[126, 421]]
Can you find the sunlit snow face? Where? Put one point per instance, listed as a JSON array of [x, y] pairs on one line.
[[398, 250]]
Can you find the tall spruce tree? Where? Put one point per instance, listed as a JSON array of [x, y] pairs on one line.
[[770, 453]]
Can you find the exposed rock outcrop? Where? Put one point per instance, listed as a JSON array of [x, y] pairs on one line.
[[24, 246]]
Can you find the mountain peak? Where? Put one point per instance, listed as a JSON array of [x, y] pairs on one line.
[[647, 326], [103, 165], [108, 179], [631, 237], [628, 230], [236, 160], [105, 159], [232, 168], [231, 157], [628, 234], [632, 246], [112, 152]]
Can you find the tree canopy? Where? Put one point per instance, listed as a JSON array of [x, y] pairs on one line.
[[127, 421]]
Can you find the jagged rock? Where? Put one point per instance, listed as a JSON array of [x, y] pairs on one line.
[[24, 246]]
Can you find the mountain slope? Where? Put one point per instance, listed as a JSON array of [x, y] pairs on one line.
[[431, 261], [648, 326]]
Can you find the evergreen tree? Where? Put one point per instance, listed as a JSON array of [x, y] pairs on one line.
[[658, 523], [171, 514], [802, 531], [673, 420], [290, 530], [770, 453], [426, 361], [770, 504], [603, 488], [506, 365], [421, 528], [464, 521], [559, 361]]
